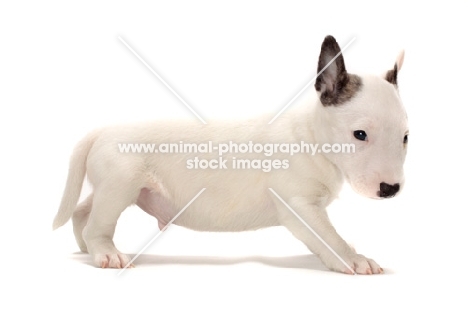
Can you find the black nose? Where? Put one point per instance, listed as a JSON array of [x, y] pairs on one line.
[[388, 191]]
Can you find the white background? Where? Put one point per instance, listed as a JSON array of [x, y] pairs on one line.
[[63, 72]]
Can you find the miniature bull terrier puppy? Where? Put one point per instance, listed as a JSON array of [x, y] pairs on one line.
[[361, 110]]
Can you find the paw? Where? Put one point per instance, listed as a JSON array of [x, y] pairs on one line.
[[359, 263], [116, 261], [363, 265]]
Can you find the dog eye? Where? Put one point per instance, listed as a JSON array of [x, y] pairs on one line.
[[361, 135], [405, 139]]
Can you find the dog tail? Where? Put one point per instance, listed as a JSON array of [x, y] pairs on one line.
[[76, 175]]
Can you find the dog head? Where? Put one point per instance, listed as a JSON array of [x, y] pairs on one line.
[[365, 112]]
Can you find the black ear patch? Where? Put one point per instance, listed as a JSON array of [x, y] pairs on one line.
[[333, 82], [391, 75]]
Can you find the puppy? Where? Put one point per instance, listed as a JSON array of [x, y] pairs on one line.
[[264, 190]]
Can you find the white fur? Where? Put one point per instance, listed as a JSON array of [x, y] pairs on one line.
[[237, 200]]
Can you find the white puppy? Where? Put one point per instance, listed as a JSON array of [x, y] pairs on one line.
[[362, 110]]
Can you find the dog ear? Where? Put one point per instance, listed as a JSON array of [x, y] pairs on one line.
[[333, 82], [391, 75]]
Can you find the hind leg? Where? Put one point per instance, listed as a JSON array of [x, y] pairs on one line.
[[110, 200], [80, 219]]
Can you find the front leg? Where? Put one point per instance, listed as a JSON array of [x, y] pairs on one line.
[[317, 220]]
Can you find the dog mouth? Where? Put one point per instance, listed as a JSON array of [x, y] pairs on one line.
[[384, 190], [373, 194]]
